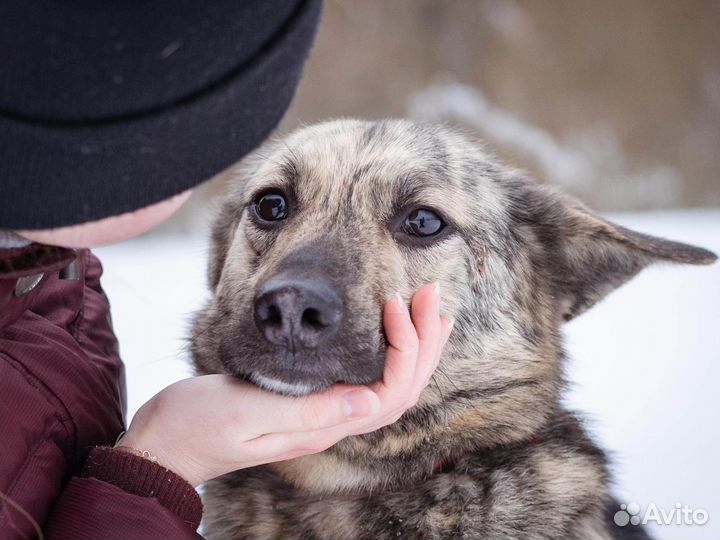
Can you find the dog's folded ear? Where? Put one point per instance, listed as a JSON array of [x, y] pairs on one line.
[[221, 237], [587, 256]]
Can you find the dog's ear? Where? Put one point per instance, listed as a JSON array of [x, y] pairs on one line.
[[586, 256], [221, 237]]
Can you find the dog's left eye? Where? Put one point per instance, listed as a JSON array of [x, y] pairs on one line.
[[423, 222], [271, 206]]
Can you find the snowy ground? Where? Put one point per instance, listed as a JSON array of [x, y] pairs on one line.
[[645, 363]]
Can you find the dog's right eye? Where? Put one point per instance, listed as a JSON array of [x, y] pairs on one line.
[[271, 206], [423, 223]]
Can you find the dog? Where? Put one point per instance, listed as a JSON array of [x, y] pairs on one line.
[[318, 230]]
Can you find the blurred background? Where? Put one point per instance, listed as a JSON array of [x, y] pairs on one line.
[[619, 101], [616, 101]]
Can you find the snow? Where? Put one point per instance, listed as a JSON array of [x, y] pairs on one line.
[[645, 366], [644, 363]]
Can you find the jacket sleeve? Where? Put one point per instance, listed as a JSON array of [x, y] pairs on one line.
[[121, 495]]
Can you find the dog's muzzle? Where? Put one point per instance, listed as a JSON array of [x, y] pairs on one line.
[[297, 313]]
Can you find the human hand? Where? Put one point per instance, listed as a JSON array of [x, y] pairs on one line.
[[210, 425]]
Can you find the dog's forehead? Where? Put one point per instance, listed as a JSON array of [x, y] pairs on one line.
[[379, 164], [344, 151]]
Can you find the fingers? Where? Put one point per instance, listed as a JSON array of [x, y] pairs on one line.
[[413, 351], [281, 446], [402, 351], [273, 413], [425, 314], [446, 326]]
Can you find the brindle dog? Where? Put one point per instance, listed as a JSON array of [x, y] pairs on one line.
[[321, 229]]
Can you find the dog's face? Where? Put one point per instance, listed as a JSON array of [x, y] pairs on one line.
[[326, 225]]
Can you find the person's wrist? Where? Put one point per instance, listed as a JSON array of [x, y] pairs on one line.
[[139, 476], [147, 448], [145, 454]]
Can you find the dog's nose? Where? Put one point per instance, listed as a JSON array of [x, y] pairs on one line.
[[297, 313]]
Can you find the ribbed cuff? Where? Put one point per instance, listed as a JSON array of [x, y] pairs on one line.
[[140, 476]]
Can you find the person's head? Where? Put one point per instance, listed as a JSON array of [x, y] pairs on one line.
[[138, 115], [108, 230]]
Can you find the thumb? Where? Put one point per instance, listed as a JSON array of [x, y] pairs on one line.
[[341, 403]]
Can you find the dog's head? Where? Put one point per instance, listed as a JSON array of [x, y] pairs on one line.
[[323, 227]]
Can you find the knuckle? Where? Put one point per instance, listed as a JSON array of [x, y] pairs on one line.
[[395, 415], [396, 406], [311, 419], [289, 446], [409, 345], [320, 445], [411, 401]]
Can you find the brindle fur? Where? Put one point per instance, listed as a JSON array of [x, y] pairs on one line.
[[516, 260]]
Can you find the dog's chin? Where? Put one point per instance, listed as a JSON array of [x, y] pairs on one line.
[[273, 374], [284, 387]]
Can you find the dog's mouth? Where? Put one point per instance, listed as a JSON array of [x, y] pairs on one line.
[[283, 387], [301, 374], [274, 375]]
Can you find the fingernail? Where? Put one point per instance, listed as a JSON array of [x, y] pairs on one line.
[[449, 331], [358, 403], [436, 291], [402, 306]]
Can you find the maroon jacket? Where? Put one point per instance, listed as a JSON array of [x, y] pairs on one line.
[[62, 394]]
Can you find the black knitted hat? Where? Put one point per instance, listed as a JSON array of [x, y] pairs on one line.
[[106, 107]]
